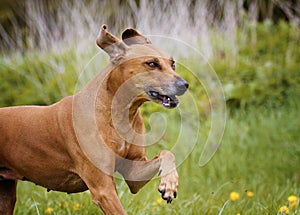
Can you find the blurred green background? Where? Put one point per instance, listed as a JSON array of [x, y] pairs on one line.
[[253, 46]]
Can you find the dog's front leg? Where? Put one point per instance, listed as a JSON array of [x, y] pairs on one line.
[[169, 176], [103, 191], [138, 173]]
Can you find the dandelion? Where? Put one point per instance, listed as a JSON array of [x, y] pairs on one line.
[[250, 194], [159, 201], [292, 198], [234, 196], [293, 201], [284, 209], [49, 210], [77, 207]]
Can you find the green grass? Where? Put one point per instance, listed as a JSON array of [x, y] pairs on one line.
[[259, 152]]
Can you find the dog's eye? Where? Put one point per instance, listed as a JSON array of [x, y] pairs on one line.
[[153, 64], [173, 65]]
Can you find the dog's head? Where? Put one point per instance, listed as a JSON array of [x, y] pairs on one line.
[[154, 71]]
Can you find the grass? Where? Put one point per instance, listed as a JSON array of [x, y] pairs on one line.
[[259, 153]]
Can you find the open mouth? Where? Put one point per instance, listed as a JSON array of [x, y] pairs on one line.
[[168, 101]]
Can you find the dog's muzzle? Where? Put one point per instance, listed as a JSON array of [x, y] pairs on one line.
[[169, 100]]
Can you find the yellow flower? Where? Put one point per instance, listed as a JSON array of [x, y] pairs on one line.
[[292, 198], [238, 214], [234, 196], [284, 209], [250, 194], [77, 207], [159, 201], [49, 210], [293, 201]]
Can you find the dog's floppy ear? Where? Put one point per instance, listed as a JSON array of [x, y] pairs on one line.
[[114, 47], [131, 37]]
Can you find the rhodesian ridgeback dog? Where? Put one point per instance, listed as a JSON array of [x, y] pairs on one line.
[[79, 142]]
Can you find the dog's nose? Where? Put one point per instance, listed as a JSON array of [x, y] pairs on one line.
[[181, 86]]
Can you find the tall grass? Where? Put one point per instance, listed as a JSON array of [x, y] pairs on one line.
[[261, 73], [56, 26]]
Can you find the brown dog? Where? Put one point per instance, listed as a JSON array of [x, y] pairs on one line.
[[79, 142]]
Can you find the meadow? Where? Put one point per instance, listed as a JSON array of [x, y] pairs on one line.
[[256, 169]]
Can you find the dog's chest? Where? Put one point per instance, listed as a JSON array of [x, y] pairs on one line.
[[122, 148]]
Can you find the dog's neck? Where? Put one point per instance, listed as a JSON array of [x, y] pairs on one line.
[[125, 97], [97, 105], [113, 95]]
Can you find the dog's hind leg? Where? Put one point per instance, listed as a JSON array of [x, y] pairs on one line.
[[7, 196]]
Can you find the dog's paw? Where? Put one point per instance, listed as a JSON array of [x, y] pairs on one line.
[[168, 186]]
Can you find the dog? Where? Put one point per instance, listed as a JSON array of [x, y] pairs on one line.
[[79, 142]]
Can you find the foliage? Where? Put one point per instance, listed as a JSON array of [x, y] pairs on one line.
[[40, 79], [263, 72]]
